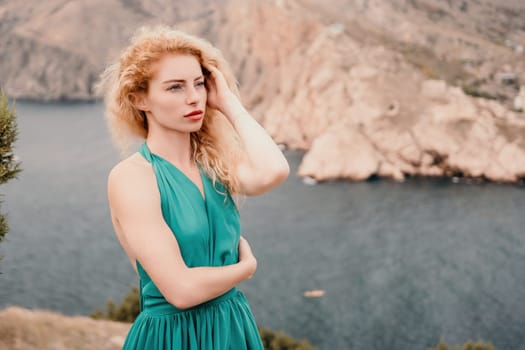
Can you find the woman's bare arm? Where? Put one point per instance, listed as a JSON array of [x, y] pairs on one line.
[[135, 204], [264, 165]]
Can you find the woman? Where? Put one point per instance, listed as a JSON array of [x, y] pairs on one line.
[[171, 202]]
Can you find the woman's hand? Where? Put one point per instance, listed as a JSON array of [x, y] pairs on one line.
[[246, 257], [220, 96], [262, 165]]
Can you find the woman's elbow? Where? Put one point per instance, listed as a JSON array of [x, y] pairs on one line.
[[283, 171], [260, 181], [178, 301], [272, 179], [181, 304], [279, 173], [181, 299]]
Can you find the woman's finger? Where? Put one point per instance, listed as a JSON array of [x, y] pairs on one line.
[[217, 75]]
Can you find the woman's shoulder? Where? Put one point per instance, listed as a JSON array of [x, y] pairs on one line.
[[133, 169]]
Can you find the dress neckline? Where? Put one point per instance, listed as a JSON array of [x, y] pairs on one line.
[[202, 193]]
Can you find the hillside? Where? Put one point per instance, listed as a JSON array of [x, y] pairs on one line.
[[395, 89]]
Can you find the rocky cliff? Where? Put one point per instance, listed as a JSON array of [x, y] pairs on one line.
[[397, 88]]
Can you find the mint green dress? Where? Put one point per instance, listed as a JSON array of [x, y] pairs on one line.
[[208, 231]]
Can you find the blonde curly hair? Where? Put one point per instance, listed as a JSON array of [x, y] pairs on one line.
[[216, 146]]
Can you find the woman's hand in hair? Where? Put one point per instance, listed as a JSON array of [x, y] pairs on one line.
[[220, 96], [262, 165]]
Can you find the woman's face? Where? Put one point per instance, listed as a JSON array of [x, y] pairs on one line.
[[176, 97]]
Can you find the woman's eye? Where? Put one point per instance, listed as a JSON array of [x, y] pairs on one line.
[[201, 83], [175, 87]]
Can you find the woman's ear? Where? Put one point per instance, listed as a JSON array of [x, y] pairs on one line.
[[139, 101]]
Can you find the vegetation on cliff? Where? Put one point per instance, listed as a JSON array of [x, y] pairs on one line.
[[470, 345]]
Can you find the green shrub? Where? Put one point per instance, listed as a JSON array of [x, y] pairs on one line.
[[280, 341], [128, 310], [9, 167], [467, 346]]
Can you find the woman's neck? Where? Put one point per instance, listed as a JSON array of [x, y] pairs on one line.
[[174, 146]]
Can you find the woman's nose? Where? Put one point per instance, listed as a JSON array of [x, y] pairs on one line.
[[192, 96]]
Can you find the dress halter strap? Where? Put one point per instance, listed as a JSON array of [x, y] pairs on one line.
[[145, 151]]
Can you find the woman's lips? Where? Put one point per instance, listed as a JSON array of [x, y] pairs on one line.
[[194, 115]]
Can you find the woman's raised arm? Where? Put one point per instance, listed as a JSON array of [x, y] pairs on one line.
[[264, 165]]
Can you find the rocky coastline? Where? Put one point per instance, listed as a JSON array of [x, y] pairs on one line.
[[390, 89]]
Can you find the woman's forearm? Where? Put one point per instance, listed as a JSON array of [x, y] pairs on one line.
[[265, 160], [201, 284]]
